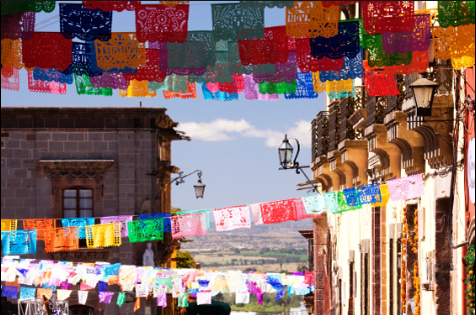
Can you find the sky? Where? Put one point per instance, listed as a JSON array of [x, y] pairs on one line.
[[235, 144]]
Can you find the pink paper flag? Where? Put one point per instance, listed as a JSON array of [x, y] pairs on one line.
[[228, 219], [406, 187], [189, 225], [162, 299], [105, 297]]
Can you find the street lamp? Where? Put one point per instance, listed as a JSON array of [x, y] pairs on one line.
[[285, 152], [199, 187], [423, 92], [180, 179]]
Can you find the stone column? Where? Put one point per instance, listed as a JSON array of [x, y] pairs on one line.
[[376, 278], [411, 257], [320, 271], [443, 258]]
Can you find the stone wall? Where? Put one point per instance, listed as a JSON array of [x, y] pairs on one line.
[[32, 138]]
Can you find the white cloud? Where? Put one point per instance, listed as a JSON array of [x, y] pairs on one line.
[[225, 130]]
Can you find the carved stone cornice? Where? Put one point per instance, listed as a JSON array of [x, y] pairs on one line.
[[388, 153], [409, 142], [434, 130], [76, 169], [354, 155]]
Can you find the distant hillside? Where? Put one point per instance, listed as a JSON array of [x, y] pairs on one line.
[[275, 236]]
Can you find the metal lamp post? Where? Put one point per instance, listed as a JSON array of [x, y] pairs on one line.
[[199, 186], [180, 179], [423, 92], [285, 152]]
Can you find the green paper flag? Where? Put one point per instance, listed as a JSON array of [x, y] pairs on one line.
[[121, 298]]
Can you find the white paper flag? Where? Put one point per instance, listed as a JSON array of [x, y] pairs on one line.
[[204, 298], [242, 298], [82, 297]]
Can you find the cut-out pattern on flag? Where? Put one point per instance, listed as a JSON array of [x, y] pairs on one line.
[[122, 51], [379, 83], [301, 213], [406, 187], [47, 50], [252, 90], [370, 194], [340, 89], [27, 293], [118, 6], [51, 75], [13, 7], [385, 192], [84, 86], [455, 13], [45, 86], [331, 202], [110, 80], [12, 82], [9, 292], [191, 93], [9, 225], [346, 43], [165, 216], [122, 219], [278, 211], [103, 235], [12, 55], [160, 23], [228, 219], [285, 72], [262, 4], [193, 56], [19, 242], [419, 39], [81, 61], [18, 26], [40, 225], [217, 96], [121, 298], [353, 68], [172, 83], [277, 88], [304, 87], [308, 63], [146, 230], [151, 70], [420, 64], [455, 43], [232, 22], [85, 24], [78, 222], [61, 239], [315, 204], [138, 89], [352, 196], [236, 86], [311, 19], [388, 16], [272, 48], [343, 206], [189, 225]]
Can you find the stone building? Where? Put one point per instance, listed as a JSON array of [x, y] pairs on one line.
[[359, 255], [89, 162]]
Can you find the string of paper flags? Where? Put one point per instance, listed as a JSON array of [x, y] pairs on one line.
[[151, 227], [163, 55]]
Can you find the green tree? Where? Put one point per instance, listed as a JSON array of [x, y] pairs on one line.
[[187, 261]]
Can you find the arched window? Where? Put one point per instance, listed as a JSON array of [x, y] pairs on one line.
[[78, 202], [80, 310]]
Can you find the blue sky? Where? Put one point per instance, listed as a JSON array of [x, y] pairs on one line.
[[233, 143]]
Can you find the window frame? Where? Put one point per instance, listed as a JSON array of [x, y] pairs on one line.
[[78, 199]]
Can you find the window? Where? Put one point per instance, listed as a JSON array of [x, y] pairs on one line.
[[77, 203]]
